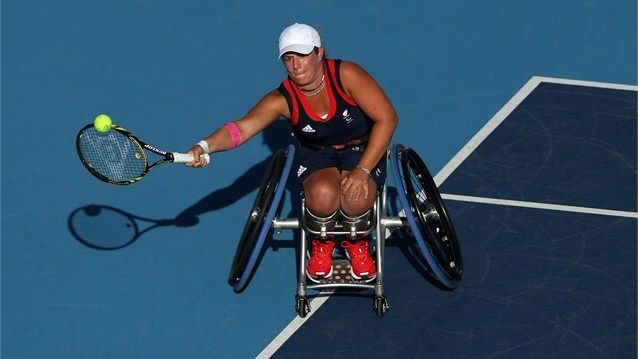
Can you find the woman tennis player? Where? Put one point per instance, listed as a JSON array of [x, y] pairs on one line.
[[344, 122]]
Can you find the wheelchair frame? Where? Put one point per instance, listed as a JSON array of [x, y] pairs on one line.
[[379, 223], [430, 224]]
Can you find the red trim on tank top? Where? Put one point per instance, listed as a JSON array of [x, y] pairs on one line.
[[294, 116], [341, 91], [306, 105]]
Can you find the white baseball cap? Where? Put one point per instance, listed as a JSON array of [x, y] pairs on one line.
[[300, 38]]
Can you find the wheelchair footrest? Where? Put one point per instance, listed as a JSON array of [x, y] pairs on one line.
[[341, 273]]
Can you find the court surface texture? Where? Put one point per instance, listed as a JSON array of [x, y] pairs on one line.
[[525, 112]]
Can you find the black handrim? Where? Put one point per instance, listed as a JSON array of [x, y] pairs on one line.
[[431, 215], [256, 217]]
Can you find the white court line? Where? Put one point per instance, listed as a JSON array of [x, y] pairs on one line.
[[482, 134], [496, 120], [605, 85], [290, 329], [538, 205], [506, 110]]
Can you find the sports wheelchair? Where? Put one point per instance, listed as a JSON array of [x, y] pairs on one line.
[[423, 212]]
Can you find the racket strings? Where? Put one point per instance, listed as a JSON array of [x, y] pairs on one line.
[[113, 155]]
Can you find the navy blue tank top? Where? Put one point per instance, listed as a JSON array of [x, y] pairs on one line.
[[345, 121]]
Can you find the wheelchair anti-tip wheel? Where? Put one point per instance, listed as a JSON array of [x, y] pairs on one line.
[[302, 306], [380, 305], [260, 218], [427, 216]]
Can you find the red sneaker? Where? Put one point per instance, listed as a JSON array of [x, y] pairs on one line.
[[362, 263], [320, 261]]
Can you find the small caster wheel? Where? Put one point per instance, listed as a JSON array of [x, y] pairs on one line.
[[380, 305], [302, 306]]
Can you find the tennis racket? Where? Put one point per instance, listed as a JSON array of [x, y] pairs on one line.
[[118, 156]]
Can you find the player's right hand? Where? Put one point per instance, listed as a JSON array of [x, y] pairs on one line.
[[198, 160]]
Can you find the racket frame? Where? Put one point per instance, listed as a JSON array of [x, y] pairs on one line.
[[168, 156]]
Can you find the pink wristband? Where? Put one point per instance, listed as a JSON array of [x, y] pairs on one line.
[[235, 135]]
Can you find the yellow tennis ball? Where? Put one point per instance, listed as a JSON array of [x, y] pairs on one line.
[[102, 123]]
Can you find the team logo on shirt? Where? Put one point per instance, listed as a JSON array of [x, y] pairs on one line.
[[301, 170], [346, 116], [308, 129]]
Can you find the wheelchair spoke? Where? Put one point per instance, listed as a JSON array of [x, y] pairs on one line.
[[437, 239]]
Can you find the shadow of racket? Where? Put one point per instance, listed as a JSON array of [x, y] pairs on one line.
[[108, 228]]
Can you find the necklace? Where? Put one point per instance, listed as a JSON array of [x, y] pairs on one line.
[[316, 90]]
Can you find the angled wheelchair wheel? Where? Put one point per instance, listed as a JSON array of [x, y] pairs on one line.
[[260, 218], [427, 216]]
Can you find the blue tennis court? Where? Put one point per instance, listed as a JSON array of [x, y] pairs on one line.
[[526, 113], [550, 268]]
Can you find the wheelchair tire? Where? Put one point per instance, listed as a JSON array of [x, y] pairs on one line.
[[427, 216], [260, 218]]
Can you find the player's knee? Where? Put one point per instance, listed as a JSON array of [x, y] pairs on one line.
[[321, 198], [355, 208]]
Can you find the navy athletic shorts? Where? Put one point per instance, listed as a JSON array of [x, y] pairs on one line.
[[344, 159]]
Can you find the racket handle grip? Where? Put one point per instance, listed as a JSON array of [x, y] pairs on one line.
[[184, 157]]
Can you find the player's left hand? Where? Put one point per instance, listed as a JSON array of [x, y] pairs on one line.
[[354, 186]]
